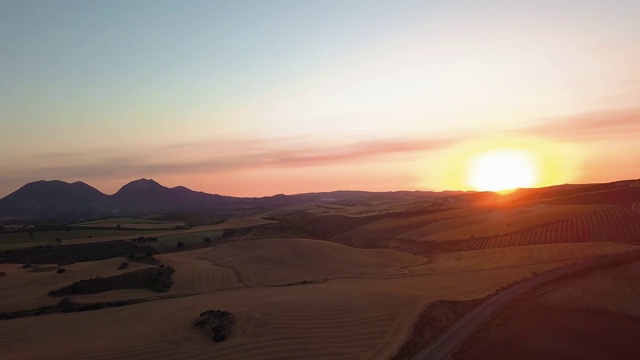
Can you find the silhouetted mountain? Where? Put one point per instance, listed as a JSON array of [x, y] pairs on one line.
[[58, 200], [148, 195], [52, 199]]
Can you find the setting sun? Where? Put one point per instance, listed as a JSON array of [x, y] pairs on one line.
[[502, 169]]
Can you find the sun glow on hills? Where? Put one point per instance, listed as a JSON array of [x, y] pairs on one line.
[[503, 169]]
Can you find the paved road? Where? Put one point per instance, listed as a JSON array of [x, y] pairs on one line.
[[460, 331]]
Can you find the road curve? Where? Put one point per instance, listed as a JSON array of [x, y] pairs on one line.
[[444, 346]]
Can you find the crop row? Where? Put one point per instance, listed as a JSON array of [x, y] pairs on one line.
[[65, 254], [620, 224]]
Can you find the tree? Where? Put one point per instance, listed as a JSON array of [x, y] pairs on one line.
[[207, 239], [180, 245]]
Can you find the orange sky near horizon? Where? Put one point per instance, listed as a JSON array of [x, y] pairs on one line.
[[246, 98]]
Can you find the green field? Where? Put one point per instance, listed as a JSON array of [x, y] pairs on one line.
[[23, 239], [131, 223], [170, 241]]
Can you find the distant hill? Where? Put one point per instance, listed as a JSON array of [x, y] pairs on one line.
[[43, 199], [58, 200], [148, 195]]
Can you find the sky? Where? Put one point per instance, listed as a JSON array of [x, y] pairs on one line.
[[255, 98]]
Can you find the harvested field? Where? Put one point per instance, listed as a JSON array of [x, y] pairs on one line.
[[236, 223], [25, 289], [131, 223], [399, 225], [591, 316], [282, 261], [616, 290], [535, 332], [498, 222], [476, 222], [339, 319], [42, 238], [292, 298], [196, 273], [74, 253], [620, 224], [518, 256]]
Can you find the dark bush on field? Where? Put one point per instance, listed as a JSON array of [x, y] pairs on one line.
[[146, 258], [156, 279], [217, 322], [61, 271], [180, 245], [123, 266], [144, 240], [207, 239], [67, 254]]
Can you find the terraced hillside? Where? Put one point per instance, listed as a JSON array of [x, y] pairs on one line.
[[619, 224]]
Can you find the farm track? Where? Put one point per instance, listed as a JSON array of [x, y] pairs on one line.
[[236, 272]]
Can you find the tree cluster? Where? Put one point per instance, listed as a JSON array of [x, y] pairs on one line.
[[218, 323]]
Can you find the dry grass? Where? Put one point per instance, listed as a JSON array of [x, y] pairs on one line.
[[24, 289], [416, 221], [364, 309], [131, 223], [616, 289], [235, 223], [196, 273], [375, 208], [282, 261], [477, 221], [498, 222], [518, 256], [339, 319]]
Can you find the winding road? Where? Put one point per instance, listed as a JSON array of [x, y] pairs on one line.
[[448, 342]]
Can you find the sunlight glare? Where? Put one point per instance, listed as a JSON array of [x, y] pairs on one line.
[[502, 169]]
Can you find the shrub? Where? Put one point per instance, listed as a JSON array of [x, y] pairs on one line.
[[154, 279], [180, 245], [61, 271], [219, 323]]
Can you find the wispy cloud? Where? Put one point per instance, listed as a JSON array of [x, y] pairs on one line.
[[590, 126], [220, 156]]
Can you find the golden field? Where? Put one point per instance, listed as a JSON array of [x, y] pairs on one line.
[[293, 298]]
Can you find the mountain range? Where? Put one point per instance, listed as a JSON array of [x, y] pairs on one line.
[[61, 201], [55, 200]]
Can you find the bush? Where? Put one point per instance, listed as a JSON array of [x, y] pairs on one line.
[[219, 323], [207, 239], [180, 245], [61, 271], [155, 279]]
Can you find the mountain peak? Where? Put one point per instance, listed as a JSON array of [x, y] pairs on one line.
[[141, 185]]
